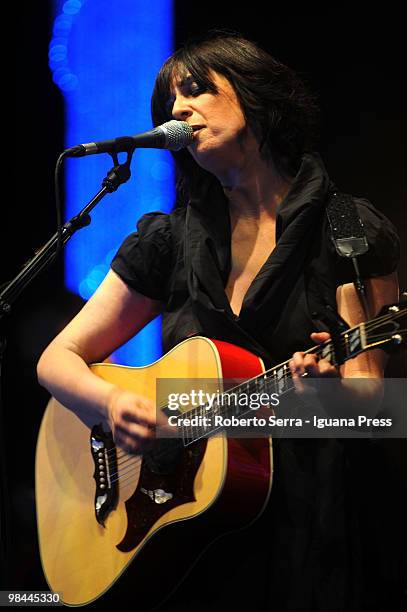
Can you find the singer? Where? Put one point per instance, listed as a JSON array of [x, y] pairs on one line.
[[245, 257]]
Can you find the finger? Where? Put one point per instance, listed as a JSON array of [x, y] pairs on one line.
[[311, 366], [327, 369], [293, 368], [163, 425], [146, 404], [302, 365], [133, 446], [138, 414], [298, 363], [320, 337], [135, 441], [136, 430], [296, 375]]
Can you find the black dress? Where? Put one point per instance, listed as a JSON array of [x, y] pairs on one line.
[[305, 552]]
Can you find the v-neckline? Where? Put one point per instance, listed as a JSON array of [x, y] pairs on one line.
[[208, 243], [255, 277]]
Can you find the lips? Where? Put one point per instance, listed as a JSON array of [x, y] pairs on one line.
[[197, 127]]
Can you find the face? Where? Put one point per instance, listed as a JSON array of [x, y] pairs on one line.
[[220, 129]]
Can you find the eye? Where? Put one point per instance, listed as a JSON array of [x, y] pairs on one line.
[[188, 88], [195, 88]]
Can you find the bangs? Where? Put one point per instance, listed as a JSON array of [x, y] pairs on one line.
[[182, 64], [276, 103]]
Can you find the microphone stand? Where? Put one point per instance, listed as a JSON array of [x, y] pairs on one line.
[[118, 175]]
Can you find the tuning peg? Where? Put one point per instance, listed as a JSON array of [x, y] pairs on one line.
[[394, 308]]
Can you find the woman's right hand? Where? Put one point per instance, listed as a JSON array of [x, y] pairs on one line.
[[132, 419]]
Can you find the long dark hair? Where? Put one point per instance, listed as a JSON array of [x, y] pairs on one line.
[[275, 102]]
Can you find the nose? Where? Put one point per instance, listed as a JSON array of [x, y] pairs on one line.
[[181, 109]]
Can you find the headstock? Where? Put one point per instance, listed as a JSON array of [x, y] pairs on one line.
[[389, 329]]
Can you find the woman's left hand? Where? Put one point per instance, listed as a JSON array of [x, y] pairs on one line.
[[307, 364]]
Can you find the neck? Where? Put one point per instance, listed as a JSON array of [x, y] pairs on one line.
[[255, 188]]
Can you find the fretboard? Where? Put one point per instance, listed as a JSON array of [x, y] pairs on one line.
[[278, 380]]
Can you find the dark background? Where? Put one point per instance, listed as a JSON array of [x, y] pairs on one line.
[[357, 68]]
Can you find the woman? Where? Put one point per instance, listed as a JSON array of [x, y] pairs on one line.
[[248, 259]]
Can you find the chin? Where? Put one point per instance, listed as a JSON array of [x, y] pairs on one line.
[[218, 170]]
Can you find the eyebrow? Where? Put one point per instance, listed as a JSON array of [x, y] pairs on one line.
[[182, 82]]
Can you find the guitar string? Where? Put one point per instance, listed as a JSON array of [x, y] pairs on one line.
[[129, 470], [132, 461], [375, 338], [123, 479], [318, 349], [124, 459], [384, 337], [369, 325]]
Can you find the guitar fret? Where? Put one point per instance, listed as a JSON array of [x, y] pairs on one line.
[[285, 377], [327, 351], [280, 380], [277, 380], [261, 384], [347, 346], [270, 384], [355, 341], [267, 384]]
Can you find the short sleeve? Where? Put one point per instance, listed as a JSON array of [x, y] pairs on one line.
[[144, 260], [384, 246]]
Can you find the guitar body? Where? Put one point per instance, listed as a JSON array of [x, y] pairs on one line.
[[215, 485]]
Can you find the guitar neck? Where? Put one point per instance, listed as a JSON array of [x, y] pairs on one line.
[[278, 380]]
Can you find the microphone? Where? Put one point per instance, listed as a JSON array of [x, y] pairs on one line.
[[172, 135]]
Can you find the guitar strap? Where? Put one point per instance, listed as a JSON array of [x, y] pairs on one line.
[[348, 236]]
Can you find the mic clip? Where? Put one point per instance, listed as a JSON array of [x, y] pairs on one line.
[[119, 174]]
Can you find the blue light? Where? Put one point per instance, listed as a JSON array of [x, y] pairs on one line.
[[59, 73], [62, 25], [71, 7], [161, 171], [57, 41], [68, 82], [105, 61]]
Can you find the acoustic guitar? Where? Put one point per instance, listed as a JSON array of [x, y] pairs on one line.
[[102, 512]]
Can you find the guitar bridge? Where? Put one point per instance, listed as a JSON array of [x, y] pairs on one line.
[[104, 456]]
